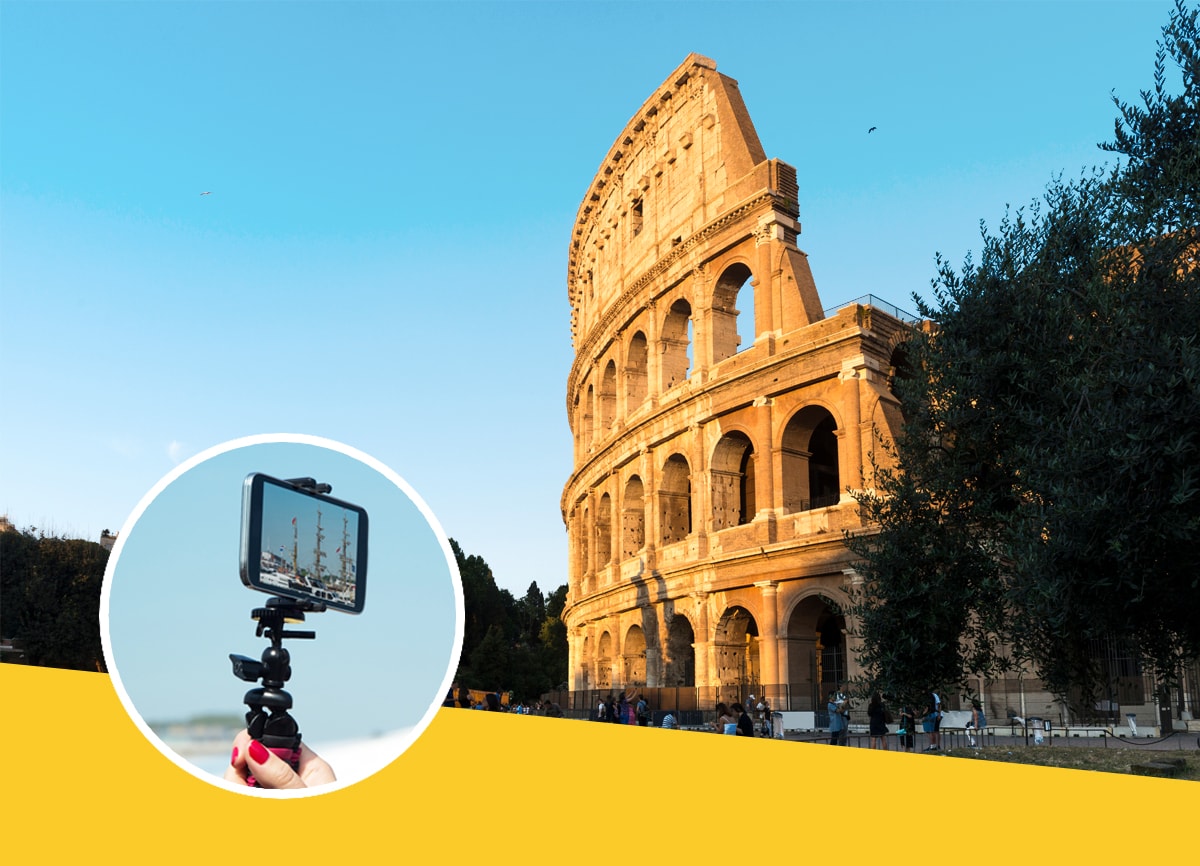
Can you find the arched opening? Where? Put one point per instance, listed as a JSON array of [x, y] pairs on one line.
[[636, 365], [733, 481], [635, 656], [604, 531], [899, 367], [733, 312], [680, 664], [675, 500], [633, 519], [604, 662], [816, 653], [736, 644], [608, 397], [676, 344], [823, 481], [810, 461]]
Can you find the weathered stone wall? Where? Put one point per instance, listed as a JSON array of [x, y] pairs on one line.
[[709, 494]]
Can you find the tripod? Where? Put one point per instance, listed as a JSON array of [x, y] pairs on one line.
[[268, 720]]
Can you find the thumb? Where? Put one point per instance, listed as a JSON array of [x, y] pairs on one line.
[[270, 770]]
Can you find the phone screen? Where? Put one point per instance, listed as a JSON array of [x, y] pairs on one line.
[[303, 545]]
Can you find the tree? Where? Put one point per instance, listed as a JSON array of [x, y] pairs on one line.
[[517, 645], [1045, 492], [51, 592]]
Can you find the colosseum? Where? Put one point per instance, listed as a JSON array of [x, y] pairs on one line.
[[720, 417]]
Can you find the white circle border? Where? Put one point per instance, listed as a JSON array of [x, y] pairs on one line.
[[273, 439]]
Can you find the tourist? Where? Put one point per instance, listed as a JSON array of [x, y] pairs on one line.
[[726, 722], [877, 722], [978, 723], [763, 713], [612, 710], [933, 720], [601, 711], [669, 720], [839, 718], [908, 727], [745, 724], [643, 711]]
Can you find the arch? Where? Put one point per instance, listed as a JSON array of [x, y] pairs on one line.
[[634, 656], [816, 651], [604, 531], [900, 367], [735, 642], [676, 344], [811, 477], [637, 363], [633, 518], [679, 668], [608, 397], [604, 653], [733, 312], [732, 481], [675, 500]]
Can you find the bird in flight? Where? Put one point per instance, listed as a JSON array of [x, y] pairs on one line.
[[206, 193], [869, 131]]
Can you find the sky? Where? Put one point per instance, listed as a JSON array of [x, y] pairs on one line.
[[382, 256], [174, 607]]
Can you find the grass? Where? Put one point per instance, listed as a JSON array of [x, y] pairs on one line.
[[1114, 759]]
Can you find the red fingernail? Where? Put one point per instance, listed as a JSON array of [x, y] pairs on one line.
[[233, 757], [258, 752]]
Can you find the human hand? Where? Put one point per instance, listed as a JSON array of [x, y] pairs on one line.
[[252, 758]]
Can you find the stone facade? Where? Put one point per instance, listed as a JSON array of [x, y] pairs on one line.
[[712, 471]]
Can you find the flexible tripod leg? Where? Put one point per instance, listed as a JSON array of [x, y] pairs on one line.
[[275, 728]]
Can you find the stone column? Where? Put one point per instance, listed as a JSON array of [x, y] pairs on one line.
[[703, 643], [701, 503], [653, 353], [765, 458], [768, 633], [851, 465], [653, 522], [854, 582]]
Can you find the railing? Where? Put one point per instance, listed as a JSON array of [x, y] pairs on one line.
[[879, 304]]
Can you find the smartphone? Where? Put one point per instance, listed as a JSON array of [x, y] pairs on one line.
[[297, 543]]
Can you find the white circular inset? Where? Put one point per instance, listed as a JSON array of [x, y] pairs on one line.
[[173, 609]]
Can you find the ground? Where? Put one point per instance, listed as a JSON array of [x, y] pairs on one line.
[[1120, 758]]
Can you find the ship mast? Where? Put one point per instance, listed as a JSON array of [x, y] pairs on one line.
[[318, 554]]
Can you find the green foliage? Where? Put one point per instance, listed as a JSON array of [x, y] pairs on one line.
[[51, 598], [510, 644], [1047, 482]]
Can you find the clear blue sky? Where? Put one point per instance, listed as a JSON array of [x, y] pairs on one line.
[[382, 259]]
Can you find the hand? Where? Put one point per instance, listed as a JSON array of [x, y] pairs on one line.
[[252, 758]]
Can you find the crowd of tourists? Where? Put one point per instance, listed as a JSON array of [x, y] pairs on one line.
[[752, 718], [879, 717]]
